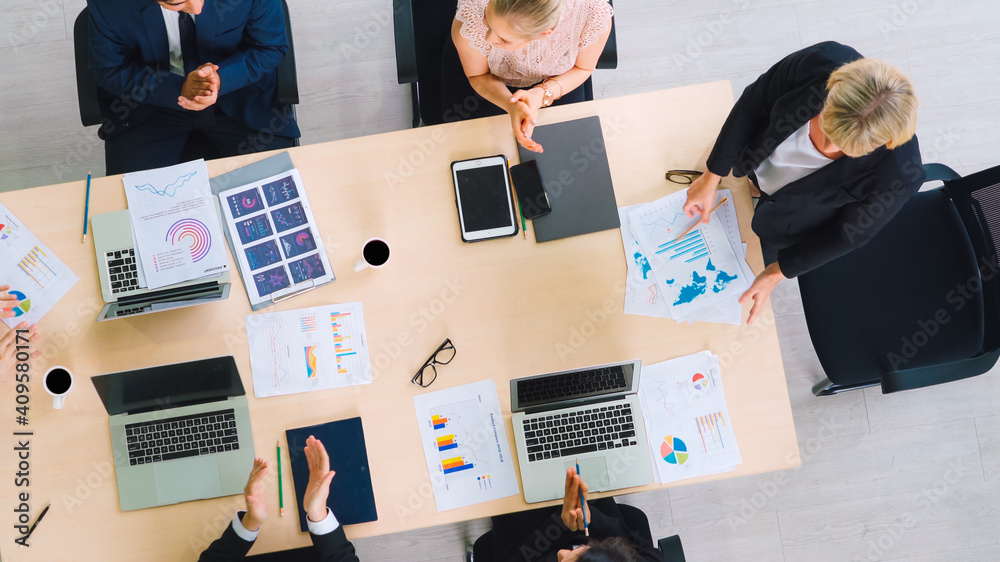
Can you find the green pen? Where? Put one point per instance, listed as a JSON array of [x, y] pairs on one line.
[[281, 492]]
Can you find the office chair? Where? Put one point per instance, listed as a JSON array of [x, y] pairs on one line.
[[670, 548], [919, 304], [198, 146], [421, 29]]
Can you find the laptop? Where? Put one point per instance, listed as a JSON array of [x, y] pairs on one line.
[[179, 432], [591, 416], [123, 284]]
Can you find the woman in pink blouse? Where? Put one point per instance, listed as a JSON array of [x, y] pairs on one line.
[[521, 56]]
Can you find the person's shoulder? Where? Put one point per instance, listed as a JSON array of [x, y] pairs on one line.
[[900, 164]]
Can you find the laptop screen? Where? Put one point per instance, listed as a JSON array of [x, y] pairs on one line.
[[169, 386]]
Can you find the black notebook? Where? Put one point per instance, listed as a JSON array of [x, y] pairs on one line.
[[352, 498], [576, 177]]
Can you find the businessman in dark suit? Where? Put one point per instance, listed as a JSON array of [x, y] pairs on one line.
[[326, 532], [168, 68], [828, 138]]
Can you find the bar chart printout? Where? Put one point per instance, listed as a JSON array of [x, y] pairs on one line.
[[465, 443]]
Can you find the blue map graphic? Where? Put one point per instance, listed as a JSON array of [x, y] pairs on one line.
[[722, 280], [171, 189], [699, 284], [641, 261]]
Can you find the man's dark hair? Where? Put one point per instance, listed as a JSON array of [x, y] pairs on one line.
[[615, 549]]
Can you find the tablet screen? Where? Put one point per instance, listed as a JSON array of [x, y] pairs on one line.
[[483, 197]]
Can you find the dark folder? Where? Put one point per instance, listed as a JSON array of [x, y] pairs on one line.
[[351, 496], [576, 176]]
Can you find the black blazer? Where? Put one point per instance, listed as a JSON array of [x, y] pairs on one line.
[[833, 210], [332, 547]]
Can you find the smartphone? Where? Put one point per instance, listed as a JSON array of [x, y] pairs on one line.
[[484, 199], [530, 193]]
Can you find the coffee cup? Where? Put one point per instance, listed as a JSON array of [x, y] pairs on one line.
[[375, 253], [58, 382]]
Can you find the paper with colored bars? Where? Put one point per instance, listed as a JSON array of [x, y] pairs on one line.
[[277, 245], [176, 227], [465, 443], [308, 349], [697, 278], [36, 276], [688, 426]]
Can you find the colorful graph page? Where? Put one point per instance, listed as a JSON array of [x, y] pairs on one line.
[[36, 276], [274, 234], [465, 442], [308, 349]]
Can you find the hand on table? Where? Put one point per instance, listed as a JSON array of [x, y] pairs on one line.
[[701, 196], [201, 88], [320, 476], [253, 493], [523, 118], [572, 514], [761, 289]]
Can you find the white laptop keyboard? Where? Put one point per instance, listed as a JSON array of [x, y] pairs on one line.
[[584, 430]]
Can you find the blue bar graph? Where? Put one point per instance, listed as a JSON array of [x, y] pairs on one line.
[[689, 248]]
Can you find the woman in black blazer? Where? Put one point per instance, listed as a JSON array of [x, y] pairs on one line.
[[828, 138]]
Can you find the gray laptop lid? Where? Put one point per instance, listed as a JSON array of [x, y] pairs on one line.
[[169, 386]]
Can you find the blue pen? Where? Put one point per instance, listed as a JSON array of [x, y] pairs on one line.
[[583, 504], [86, 209]]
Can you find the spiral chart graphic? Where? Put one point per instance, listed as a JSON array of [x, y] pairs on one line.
[[195, 234]]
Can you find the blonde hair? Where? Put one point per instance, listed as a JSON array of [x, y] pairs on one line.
[[869, 104], [528, 18]]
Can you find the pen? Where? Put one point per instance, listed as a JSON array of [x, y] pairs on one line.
[[86, 208], [524, 228], [281, 493], [690, 228], [35, 524], [583, 504]]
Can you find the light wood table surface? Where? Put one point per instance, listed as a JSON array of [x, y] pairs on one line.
[[512, 307]]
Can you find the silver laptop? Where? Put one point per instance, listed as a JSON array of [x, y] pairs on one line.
[[178, 432], [123, 284], [591, 416]]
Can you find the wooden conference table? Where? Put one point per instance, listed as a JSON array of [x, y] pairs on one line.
[[511, 306]]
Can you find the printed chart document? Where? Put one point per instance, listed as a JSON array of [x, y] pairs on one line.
[[274, 234], [465, 443], [36, 276], [700, 276], [688, 426], [308, 349], [176, 227]]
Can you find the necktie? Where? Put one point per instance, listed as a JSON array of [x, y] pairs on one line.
[[189, 43]]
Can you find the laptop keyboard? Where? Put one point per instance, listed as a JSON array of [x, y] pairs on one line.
[[122, 273], [582, 431], [567, 386], [185, 436]]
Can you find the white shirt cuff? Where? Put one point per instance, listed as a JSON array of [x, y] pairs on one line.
[[241, 531], [328, 525]]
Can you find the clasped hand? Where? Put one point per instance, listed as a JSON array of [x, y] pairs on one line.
[[572, 511], [523, 110], [201, 88]]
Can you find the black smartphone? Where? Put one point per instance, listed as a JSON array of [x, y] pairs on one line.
[[530, 192]]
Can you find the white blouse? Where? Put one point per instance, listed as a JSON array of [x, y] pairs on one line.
[[794, 159]]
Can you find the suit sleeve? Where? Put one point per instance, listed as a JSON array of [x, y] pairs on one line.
[[857, 223], [113, 67], [334, 546], [230, 547], [265, 43], [752, 113]]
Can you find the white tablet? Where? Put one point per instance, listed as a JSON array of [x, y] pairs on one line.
[[484, 199]]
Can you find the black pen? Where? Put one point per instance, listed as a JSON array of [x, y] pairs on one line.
[[35, 524]]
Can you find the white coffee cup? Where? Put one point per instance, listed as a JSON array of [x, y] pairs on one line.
[[374, 254], [58, 382]]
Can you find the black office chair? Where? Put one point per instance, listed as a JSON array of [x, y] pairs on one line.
[[198, 145], [919, 304], [670, 548], [421, 35]]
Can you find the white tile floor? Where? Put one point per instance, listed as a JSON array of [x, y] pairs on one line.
[[912, 476]]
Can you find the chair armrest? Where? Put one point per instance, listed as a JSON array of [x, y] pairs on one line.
[[406, 43], [288, 76], [86, 85], [908, 379], [672, 549], [609, 57], [939, 172]]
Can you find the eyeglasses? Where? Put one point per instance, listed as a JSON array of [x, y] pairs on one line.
[[683, 177], [442, 356]]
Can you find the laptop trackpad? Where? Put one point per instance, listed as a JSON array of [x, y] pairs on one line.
[[189, 479], [594, 471]]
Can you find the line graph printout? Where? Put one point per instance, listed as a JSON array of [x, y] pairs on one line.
[[308, 349], [176, 226], [688, 428], [36, 276], [697, 273], [465, 443]]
